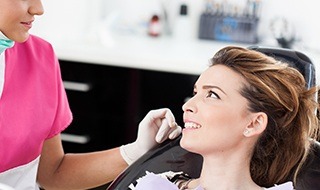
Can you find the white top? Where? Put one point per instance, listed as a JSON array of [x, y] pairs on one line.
[[163, 181], [22, 177]]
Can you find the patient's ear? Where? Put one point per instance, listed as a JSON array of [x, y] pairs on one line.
[[257, 125]]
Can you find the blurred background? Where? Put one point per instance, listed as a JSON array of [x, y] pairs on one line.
[[74, 19]]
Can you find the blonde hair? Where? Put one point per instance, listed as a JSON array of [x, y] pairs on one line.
[[280, 91]]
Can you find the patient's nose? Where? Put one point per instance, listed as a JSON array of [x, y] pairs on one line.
[[188, 105]]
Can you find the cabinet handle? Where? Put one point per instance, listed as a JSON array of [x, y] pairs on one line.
[[80, 139], [76, 86]]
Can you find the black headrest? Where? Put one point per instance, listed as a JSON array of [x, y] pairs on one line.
[[295, 58]]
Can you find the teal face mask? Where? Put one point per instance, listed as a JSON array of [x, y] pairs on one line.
[[5, 42]]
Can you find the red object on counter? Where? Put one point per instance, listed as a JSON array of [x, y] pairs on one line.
[[154, 26]]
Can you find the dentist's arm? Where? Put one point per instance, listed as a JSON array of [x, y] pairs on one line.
[[58, 170]]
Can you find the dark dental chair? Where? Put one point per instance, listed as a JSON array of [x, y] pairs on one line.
[[169, 156]]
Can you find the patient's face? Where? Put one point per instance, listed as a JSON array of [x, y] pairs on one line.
[[216, 116]]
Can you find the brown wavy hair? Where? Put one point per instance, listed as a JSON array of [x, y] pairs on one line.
[[278, 90]]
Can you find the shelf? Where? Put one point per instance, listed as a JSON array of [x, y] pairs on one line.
[[157, 54]]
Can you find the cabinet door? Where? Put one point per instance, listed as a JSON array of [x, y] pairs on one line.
[[98, 97], [161, 89]]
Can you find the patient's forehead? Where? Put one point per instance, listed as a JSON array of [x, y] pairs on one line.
[[221, 76]]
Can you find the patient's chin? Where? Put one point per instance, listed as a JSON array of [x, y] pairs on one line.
[[188, 145]]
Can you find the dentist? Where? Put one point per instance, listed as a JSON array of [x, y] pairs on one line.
[[34, 110]]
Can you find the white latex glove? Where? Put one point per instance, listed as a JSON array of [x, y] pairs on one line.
[[157, 126]]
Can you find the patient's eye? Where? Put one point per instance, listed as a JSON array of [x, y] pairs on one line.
[[212, 94], [194, 93]]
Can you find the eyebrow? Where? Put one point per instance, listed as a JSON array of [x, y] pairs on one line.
[[205, 87]]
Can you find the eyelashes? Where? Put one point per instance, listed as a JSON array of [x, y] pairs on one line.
[[212, 94], [209, 94]]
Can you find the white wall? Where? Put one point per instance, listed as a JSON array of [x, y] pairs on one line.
[[302, 14]]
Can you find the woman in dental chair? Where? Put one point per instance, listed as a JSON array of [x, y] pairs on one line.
[[251, 119]]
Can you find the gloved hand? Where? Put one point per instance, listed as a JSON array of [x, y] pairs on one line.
[[157, 126]]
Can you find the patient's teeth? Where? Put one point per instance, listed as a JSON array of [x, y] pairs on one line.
[[192, 125]]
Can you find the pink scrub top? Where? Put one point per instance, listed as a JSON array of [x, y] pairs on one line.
[[33, 108]]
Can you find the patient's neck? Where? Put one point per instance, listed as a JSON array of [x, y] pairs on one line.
[[226, 173]]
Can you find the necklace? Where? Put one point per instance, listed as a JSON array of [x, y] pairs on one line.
[[185, 185]]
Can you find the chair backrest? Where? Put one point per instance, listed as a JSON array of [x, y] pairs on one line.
[[169, 156], [296, 59]]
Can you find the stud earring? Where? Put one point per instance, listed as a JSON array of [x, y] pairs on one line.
[[246, 132]]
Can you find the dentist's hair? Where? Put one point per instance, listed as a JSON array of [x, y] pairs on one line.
[[278, 90]]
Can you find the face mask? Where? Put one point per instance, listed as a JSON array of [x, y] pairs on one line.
[[5, 42]]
